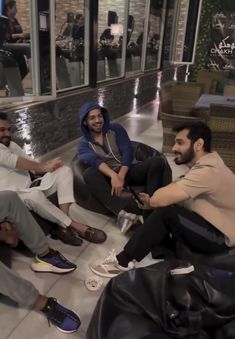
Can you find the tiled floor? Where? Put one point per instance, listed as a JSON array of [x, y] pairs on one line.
[[70, 289]]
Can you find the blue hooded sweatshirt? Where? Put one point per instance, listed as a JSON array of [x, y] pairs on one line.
[[87, 145]]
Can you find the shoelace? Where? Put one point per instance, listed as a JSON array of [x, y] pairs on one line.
[[111, 258], [52, 313]]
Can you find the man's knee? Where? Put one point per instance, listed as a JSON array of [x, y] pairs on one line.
[[64, 172], [90, 174], [33, 198], [8, 200], [162, 213], [8, 196], [157, 163]]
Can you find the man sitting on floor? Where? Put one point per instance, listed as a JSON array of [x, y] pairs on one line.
[[198, 209], [47, 260], [107, 149], [14, 176]]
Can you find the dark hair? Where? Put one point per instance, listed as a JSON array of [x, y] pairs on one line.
[[3, 116], [197, 130]]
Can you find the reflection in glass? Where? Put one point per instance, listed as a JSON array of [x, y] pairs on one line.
[[191, 30], [110, 35], [135, 35], [168, 33], [186, 29], [15, 74], [70, 42], [155, 34], [44, 42]]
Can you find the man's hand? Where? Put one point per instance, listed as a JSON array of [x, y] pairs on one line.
[[117, 185], [8, 234], [38, 167], [52, 165], [145, 198]]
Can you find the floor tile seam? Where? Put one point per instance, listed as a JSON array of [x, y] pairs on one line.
[[18, 324], [82, 251]]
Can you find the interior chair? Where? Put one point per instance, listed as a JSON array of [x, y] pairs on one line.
[[179, 97], [84, 197], [177, 101], [229, 90], [169, 121], [222, 125], [210, 79], [184, 97]]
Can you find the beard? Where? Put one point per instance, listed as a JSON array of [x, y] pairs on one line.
[[5, 141], [186, 157]]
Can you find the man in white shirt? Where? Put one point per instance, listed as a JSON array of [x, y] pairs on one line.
[[14, 176]]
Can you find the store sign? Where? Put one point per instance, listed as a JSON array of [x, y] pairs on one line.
[[222, 46]]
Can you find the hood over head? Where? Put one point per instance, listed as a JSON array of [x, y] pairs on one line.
[[85, 109]]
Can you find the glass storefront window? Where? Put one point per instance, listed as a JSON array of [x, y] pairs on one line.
[[15, 51], [70, 43], [111, 18], [135, 32], [168, 34], [186, 30], [155, 33]]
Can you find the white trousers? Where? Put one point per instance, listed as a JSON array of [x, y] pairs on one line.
[[60, 181]]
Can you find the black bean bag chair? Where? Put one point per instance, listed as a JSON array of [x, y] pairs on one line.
[[172, 299], [225, 261], [84, 197]]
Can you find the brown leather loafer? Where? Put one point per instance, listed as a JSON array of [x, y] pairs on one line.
[[66, 235], [94, 235]]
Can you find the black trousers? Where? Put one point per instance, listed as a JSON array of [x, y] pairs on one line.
[[149, 173], [167, 224]]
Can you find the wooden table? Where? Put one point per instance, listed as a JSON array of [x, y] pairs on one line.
[[206, 100]]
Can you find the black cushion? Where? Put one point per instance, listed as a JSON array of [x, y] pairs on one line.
[[224, 260], [84, 197]]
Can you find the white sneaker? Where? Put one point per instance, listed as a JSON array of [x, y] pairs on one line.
[[125, 221], [110, 267]]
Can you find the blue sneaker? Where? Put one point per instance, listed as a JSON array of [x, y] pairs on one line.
[[54, 262], [65, 320]]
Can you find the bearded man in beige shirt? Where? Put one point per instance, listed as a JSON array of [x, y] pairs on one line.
[[198, 209]]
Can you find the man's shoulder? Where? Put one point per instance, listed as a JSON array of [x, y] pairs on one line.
[[83, 141], [116, 127], [13, 146]]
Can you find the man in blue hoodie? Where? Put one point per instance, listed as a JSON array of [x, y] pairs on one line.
[[107, 149]]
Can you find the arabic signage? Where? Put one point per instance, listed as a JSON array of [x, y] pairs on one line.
[[222, 46]]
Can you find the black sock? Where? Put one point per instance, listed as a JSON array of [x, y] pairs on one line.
[[50, 253], [123, 259]]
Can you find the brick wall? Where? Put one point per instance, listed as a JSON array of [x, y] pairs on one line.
[[23, 14], [183, 6]]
